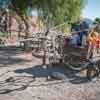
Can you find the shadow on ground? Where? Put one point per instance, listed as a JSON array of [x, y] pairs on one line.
[[40, 72], [23, 81], [15, 83], [9, 56]]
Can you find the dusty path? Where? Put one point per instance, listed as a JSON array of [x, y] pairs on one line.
[[17, 82]]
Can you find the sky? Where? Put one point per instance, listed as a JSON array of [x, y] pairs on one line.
[[92, 9]]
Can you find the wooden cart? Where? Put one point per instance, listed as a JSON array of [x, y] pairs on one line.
[[75, 57]]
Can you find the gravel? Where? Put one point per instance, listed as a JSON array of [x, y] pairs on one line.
[[22, 86]]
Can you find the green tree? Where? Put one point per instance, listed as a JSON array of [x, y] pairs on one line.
[[59, 11], [52, 12], [97, 20]]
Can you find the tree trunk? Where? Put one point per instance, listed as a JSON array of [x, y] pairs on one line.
[[24, 19]]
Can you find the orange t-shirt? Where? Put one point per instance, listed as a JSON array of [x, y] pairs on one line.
[[93, 39], [99, 41]]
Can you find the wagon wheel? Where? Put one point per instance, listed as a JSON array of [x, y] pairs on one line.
[[37, 53], [59, 45], [38, 49], [73, 63], [41, 47], [60, 42], [92, 71]]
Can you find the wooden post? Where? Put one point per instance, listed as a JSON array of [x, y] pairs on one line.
[[44, 51]]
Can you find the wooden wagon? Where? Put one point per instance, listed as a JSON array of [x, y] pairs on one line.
[[57, 49], [75, 57]]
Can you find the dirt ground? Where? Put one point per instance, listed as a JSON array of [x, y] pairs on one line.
[[22, 77]]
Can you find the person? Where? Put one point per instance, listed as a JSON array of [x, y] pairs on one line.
[[92, 41], [98, 43]]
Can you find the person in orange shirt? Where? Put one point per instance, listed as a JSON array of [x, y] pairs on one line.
[[92, 41], [98, 44]]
